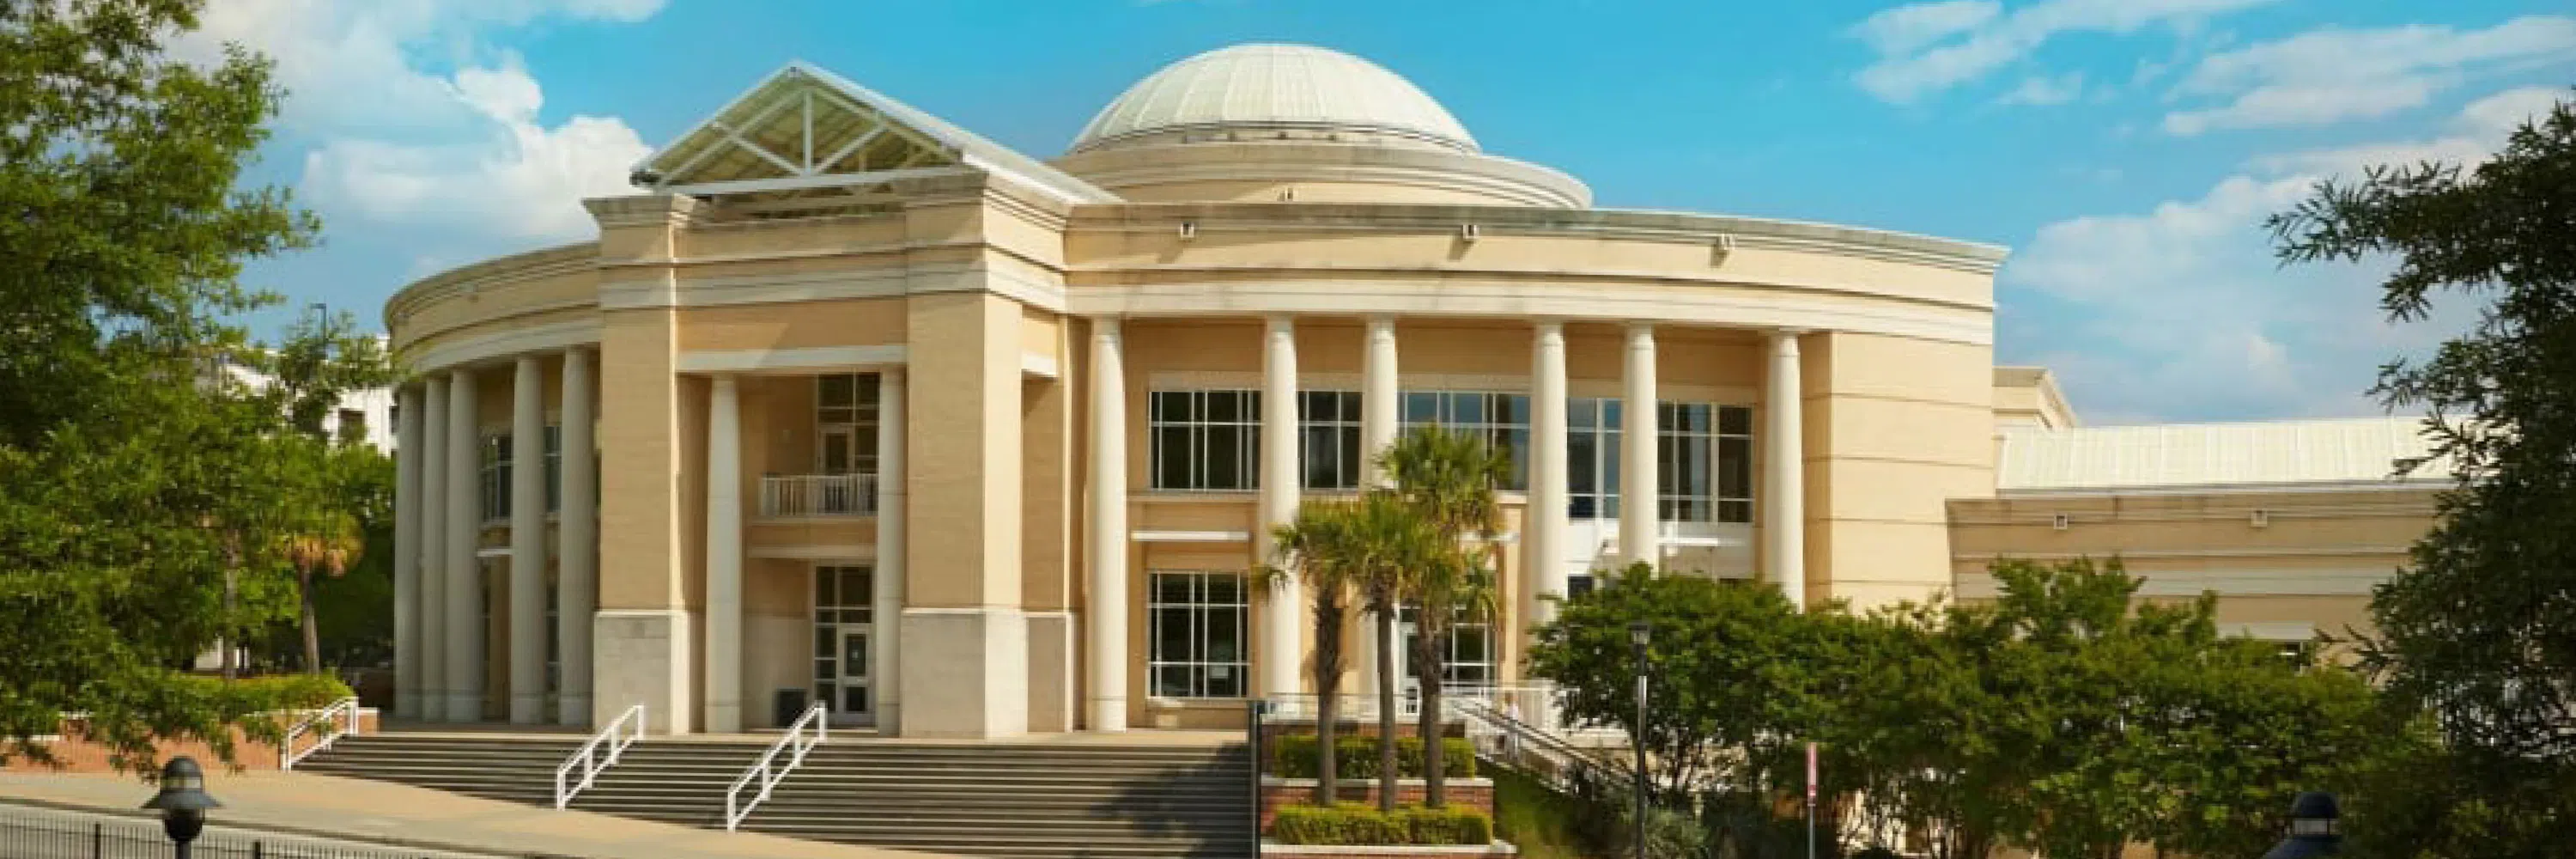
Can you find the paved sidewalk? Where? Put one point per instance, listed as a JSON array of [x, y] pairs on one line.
[[362, 810]]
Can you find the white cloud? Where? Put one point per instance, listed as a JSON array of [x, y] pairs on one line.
[[406, 115], [2474, 134], [2043, 90], [1925, 48], [1906, 28], [2182, 312], [523, 180], [2332, 75]]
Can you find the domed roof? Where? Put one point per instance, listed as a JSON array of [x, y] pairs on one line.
[[1270, 86]]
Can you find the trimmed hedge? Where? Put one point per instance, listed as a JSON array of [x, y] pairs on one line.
[[1357, 758], [1352, 823]]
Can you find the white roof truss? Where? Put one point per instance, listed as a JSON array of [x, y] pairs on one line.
[[804, 129]]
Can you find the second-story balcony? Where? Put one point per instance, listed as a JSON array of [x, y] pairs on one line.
[[800, 495]]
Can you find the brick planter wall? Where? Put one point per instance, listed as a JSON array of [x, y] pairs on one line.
[[76, 754], [1320, 851], [1475, 793]]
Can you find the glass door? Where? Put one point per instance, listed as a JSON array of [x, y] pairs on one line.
[[858, 698], [844, 650]]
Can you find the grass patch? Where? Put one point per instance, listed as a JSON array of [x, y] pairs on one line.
[[1540, 821]]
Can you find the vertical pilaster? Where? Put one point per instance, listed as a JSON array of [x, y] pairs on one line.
[[1105, 654], [889, 575], [724, 557], [1280, 480], [432, 568], [407, 457], [1784, 524], [464, 591], [1639, 524], [528, 542], [577, 541]]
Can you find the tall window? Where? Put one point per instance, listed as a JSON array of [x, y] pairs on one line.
[[554, 468], [1469, 656], [1502, 420], [845, 422], [1704, 460], [1198, 626], [1329, 425], [495, 485], [1205, 439]]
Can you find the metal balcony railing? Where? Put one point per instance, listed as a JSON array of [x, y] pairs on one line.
[[818, 495]]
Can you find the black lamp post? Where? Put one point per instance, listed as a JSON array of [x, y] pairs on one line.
[[1638, 633], [2313, 829], [182, 802]]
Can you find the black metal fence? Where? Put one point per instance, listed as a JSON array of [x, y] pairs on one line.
[[45, 834]]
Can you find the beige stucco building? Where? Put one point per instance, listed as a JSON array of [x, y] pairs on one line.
[[960, 442]]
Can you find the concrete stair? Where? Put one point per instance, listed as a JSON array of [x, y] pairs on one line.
[[1020, 800], [1016, 800]]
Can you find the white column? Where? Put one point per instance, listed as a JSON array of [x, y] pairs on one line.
[[432, 564], [1543, 524], [1107, 598], [1381, 416], [1280, 481], [528, 542], [1638, 522], [724, 558], [577, 541], [464, 594], [1380, 408], [888, 582], [407, 454], [1784, 524]]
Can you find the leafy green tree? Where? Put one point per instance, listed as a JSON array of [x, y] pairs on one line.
[[2069, 718], [2480, 627], [140, 496], [1731, 676], [1450, 480]]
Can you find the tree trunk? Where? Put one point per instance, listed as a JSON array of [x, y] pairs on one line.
[[1328, 693], [312, 627], [1386, 683], [1427, 647], [232, 650]]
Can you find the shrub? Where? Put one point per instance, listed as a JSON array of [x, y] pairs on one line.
[[293, 691], [1294, 757], [1352, 823]]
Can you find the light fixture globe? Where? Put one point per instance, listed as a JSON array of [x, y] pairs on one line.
[[183, 800], [2315, 828]]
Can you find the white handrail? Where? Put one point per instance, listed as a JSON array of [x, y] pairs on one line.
[[818, 495], [345, 710], [767, 770], [621, 732]]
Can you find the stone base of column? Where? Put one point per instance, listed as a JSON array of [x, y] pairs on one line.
[[965, 672], [406, 704], [641, 656], [464, 707], [1052, 670], [573, 711], [527, 708]]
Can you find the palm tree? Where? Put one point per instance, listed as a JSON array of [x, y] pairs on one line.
[[330, 548], [1342, 550], [1320, 549], [1449, 479], [1405, 545]]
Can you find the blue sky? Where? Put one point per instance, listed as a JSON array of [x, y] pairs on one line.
[[2125, 149]]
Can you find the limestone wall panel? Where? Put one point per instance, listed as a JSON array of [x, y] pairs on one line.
[[802, 325]]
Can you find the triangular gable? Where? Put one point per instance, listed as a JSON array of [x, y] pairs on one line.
[[804, 128]]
